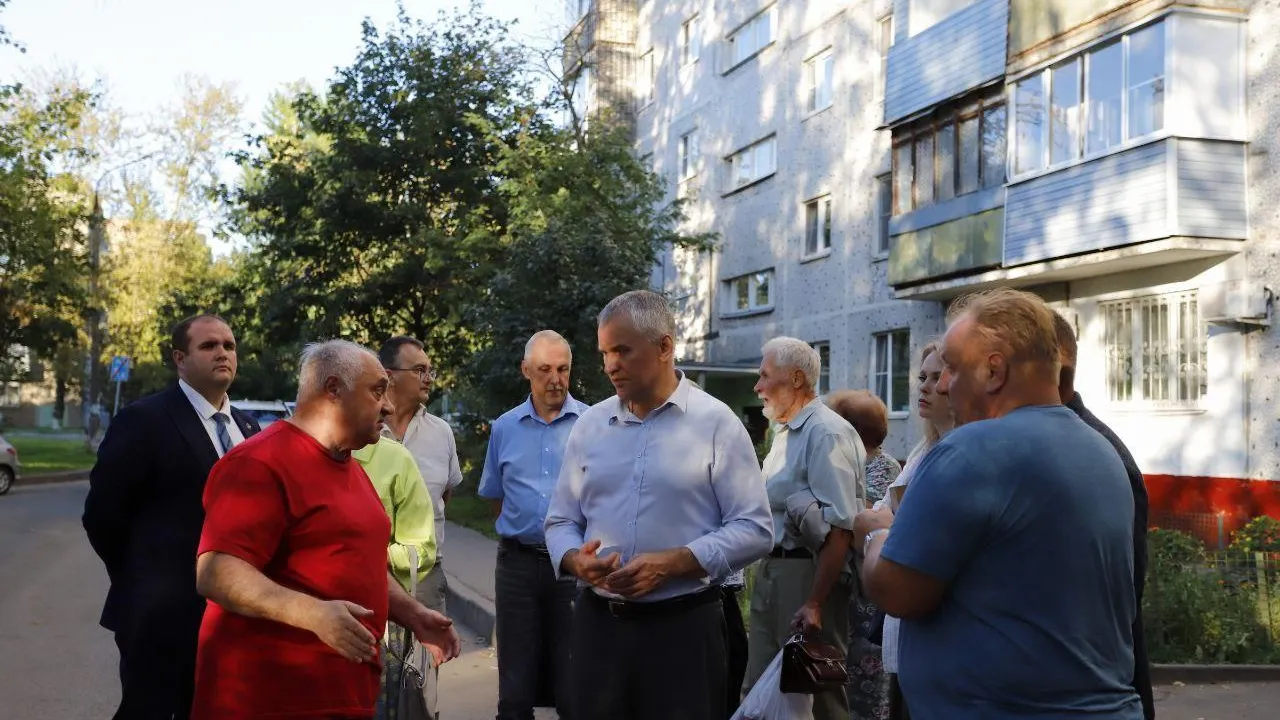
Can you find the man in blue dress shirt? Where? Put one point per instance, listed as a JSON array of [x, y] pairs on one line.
[[534, 607], [659, 500]]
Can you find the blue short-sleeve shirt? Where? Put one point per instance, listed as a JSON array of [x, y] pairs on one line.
[[1028, 518]]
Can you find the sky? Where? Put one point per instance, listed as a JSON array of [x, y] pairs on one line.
[[142, 48]]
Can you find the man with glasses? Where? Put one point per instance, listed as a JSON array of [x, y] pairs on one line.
[[428, 437]]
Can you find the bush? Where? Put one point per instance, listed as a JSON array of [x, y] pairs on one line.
[[1202, 611], [1262, 534]]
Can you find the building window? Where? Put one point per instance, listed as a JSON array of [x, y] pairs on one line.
[[687, 156], [690, 41], [891, 369], [958, 150], [749, 293], [645, 79], [817, 226], [582, 91], [884, 41], [824, 367], [924, 14], [819, 73], [884, 210], [753, 36], [1090, 103], [1155, 350], [752, 163]]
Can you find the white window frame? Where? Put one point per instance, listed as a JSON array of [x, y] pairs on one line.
[[883, 45], [691, 41], [1085, 56], [1126, 358], [817, 227], [823, 385], [884, 212], [818, 82], [761, 160], [646, 80], [751, 283], [886, 373], [914, 13], [687, 156], [756, 35]]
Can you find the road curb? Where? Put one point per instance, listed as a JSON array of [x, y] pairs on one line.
[[468, 607], [1210, 674], [54, 477]]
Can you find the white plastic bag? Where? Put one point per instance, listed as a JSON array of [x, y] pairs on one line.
[[767, 702]]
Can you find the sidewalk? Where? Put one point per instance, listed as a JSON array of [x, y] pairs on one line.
[[469, 561], [469, 564]]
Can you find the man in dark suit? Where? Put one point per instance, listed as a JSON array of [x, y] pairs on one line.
[[144, 514], [1071, 398]]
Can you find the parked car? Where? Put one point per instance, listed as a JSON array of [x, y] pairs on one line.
[[264, 411], [9, 465]]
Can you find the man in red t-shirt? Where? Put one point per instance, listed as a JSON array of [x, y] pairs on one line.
[[293, 559]]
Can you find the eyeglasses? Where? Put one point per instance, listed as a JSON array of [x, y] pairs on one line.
[[422, 371]]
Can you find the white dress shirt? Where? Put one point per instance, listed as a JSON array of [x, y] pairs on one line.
[[206, 411], [430, 440]]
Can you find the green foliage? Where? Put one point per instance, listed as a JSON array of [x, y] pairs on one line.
[[42, 249], [586, 223], [1202, 609], [373, 205], [1262, 534]]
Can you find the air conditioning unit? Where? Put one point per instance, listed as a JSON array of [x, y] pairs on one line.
[[1243, 306]]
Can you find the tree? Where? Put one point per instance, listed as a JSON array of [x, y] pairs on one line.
[[587, 223], [42, 258], [374, 203]]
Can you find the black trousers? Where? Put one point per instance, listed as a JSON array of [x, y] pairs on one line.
[[534, 616], [735, 642], [157, 674], [668, 666]]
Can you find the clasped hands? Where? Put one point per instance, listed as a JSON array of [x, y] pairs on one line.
[[639, 577]]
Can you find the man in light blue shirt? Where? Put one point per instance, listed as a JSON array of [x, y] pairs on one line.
[[658, 502], [534, 607]]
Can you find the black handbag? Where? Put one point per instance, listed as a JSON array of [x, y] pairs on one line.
[[811, 666]]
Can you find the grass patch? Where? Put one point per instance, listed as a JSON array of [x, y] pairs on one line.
[[469, 510], [46, 455]]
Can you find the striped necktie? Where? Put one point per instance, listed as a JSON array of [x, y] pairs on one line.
[[224, 437]]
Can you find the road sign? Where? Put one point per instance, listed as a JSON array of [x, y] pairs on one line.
[[120, 369]]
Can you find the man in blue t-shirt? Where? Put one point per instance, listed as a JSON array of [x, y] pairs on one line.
[[1011, 559]]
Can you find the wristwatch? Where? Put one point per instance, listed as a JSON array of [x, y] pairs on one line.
[[872, 535]]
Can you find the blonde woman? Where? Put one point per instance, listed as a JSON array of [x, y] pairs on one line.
[[937, 420]]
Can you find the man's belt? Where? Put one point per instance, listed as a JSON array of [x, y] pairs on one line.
[[513, 544], [627, 610], [791, 553]]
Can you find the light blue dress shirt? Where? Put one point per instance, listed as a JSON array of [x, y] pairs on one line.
[[684, 476], [522, 465]]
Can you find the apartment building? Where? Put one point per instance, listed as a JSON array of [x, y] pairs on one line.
[[867, 162]]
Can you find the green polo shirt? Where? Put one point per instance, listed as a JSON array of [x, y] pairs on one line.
[[399, 485]]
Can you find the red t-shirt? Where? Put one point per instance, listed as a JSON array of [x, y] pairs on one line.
[[313, 524]]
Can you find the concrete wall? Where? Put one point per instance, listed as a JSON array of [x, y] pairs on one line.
[[840, 297]]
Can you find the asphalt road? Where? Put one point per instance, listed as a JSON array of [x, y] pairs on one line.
[[55, 662]]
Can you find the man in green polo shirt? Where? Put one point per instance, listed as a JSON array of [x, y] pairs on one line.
[[395, 477]]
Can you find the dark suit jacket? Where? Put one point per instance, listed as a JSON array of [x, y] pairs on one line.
[[145, 511], [1142, 667]]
